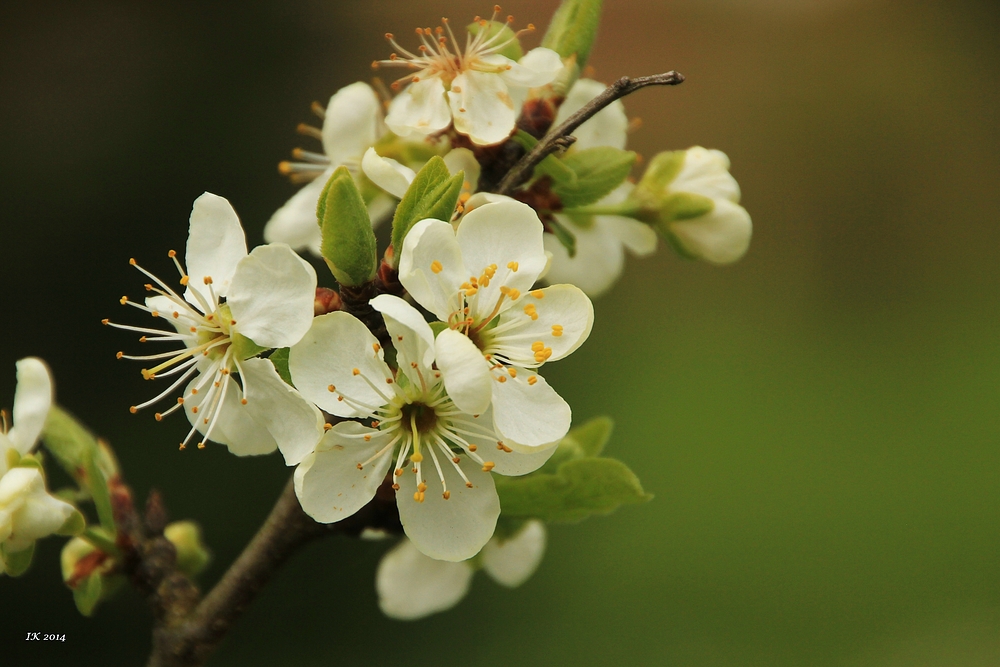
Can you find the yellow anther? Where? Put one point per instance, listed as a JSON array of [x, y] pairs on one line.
[[557, 330], [131, 260], [330, 388], [468, 485], [417, 457], [388, 380], [158, 417], [180, 399], [537, 346], [512, 266], [488, 466], [182, 447], [356, 371], [473, 448], [470, 291], [208, 280], [376, 347], [456, 460], [513, 372], [185, 280], [360, 467], [419, 497], [123, 300], [436, 266], [446, 495], [538, 294], [421, 487], [395, 487], [368, 438], [201, 445], [133, 409], [327, 426], [243, 401], [398, 472], [194, 410], [119, 355], [502, 378]]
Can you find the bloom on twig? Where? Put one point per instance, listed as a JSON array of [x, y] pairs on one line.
[[235, 306]]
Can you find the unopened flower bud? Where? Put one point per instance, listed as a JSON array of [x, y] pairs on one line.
[[192, 554], [691, 199]]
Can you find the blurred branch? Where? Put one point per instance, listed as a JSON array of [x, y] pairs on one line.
[[192, 640], [189, 640], [558, 138]]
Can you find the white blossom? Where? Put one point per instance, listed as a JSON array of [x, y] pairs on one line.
[[479, 281], [235, 306], [476, 87], [352, 123], [417, 432]]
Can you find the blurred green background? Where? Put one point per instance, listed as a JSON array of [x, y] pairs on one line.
[[819, 422]]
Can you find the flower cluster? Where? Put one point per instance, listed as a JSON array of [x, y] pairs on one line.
[[423, 379]]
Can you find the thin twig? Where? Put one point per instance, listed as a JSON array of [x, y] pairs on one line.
[[556, 137]]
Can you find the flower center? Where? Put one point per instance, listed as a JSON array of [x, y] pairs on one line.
[[439, 55], [418, 418]]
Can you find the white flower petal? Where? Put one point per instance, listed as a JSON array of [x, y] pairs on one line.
[[236, 427], [721, 236], [500, 233], [34, 514], [608, 127], [294, 423], [328, 483], [483, 109], [598, 261], [295, 223], [215, 245], [32, 401], [387, 173], [520, 461], [530, 414], [411, 585], [454, 529], [411, 335], [536, 68], [422, 108], [638, 237], [465, 372], [272, 296], [462, 159], [559, 309], [431, 267], [511, 562], [353, 123], [336, 344], [706, 173]]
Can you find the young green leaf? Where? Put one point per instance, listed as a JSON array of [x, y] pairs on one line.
[[88, 594], [433, 193], [578, 489], [17, 563], [501, 33], [598, 171], [573, 29], [349, 245], [280, 360]]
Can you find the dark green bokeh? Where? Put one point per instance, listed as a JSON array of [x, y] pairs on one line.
[[819, 422]]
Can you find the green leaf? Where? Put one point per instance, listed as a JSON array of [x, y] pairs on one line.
[[586, 440], [17, 563], [88, 594], [280, 360], [580, 488], [101, 539], [563, 235], [438, 327], [558, 171], [433, 193], [512, 50], [98, 487], [348, 245], [573, 29], [598, 171]]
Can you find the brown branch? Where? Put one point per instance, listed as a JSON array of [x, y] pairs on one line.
[[556, 139], [192, 640]]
